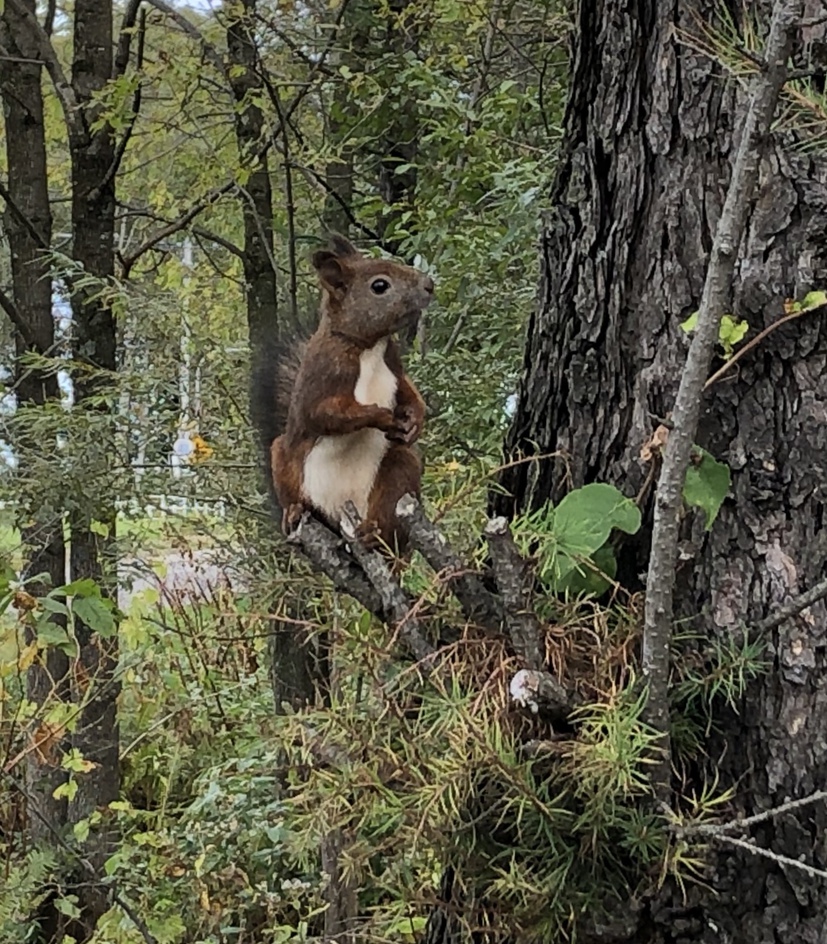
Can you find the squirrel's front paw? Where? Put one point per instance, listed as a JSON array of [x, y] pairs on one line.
[[406, 428], [367, 533], [291, 516]]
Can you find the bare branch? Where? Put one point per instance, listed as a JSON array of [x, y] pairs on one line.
[[515, 582], [395, 601], [769, 854], [327, 553], [130, 16], [657, 634], [793, 608], [211, 54], [19, 322], [740, 824], [21, 218], [478, 605], [212, 237]]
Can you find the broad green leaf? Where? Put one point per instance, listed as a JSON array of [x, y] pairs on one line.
[[85, 587], [731, 332], [54, 606], [585, 579], [585, 517], [707, 484], [95, 613], [50, 634]]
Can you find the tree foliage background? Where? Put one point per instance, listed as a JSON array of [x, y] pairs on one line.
[[390, 807]]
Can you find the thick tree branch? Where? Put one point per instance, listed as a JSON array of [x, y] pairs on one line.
[[130, 16], [657, 636], [478, 605], [326, 551], [120, 150], [515, 583], [395, 601]]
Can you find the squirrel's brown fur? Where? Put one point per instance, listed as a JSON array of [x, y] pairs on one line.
[[353, 413]]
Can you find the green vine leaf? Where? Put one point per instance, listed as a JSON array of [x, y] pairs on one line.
[[707, 484]]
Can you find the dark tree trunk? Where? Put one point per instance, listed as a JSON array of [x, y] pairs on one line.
[[650, 132], [28, 224], [257, 201], [293, 669], [397, 165], [93, 240]]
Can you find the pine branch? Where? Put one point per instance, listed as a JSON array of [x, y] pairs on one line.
[[657, 635]]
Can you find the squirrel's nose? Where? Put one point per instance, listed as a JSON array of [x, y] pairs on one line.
[[429, 285]]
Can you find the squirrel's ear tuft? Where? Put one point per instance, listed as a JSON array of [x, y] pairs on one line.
[[332, 273], [341, 246]]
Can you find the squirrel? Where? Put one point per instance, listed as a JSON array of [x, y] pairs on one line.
[[344, 414]]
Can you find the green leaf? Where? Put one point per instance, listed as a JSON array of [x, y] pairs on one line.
[[691, 323], [54, 606], [68, 907], [585, 517], [96, 614], [85, 587], [50, 634], [731, 332], [813, 300], [591, 580], [707, 484]]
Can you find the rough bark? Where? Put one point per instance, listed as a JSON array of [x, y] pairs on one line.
[[256, 196], [28, 224], [649, 144], [93, 243]]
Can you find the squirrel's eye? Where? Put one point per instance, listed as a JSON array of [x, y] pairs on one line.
[[379, 286]]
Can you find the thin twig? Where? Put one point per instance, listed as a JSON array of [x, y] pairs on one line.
[[752, 343], [660, 583], [793, 608], [769, 854], [716, 829]]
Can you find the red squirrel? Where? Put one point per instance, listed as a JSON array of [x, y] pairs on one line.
[[353, 413]]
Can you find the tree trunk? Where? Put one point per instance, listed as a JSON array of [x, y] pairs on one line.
[[28, 224], [93, 243], [651, 127]]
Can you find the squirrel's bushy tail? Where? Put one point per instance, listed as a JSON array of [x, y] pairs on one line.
[[273, 377]]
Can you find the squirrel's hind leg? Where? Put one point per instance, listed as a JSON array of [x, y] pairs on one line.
[[287, 481], [399, 474]]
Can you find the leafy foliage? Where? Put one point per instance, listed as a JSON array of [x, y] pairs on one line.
[[570, 541]]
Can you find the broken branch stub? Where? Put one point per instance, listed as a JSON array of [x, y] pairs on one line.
[[515, 581]]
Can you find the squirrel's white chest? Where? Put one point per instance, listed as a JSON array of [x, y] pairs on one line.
[[376, 382], [343, 468]]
